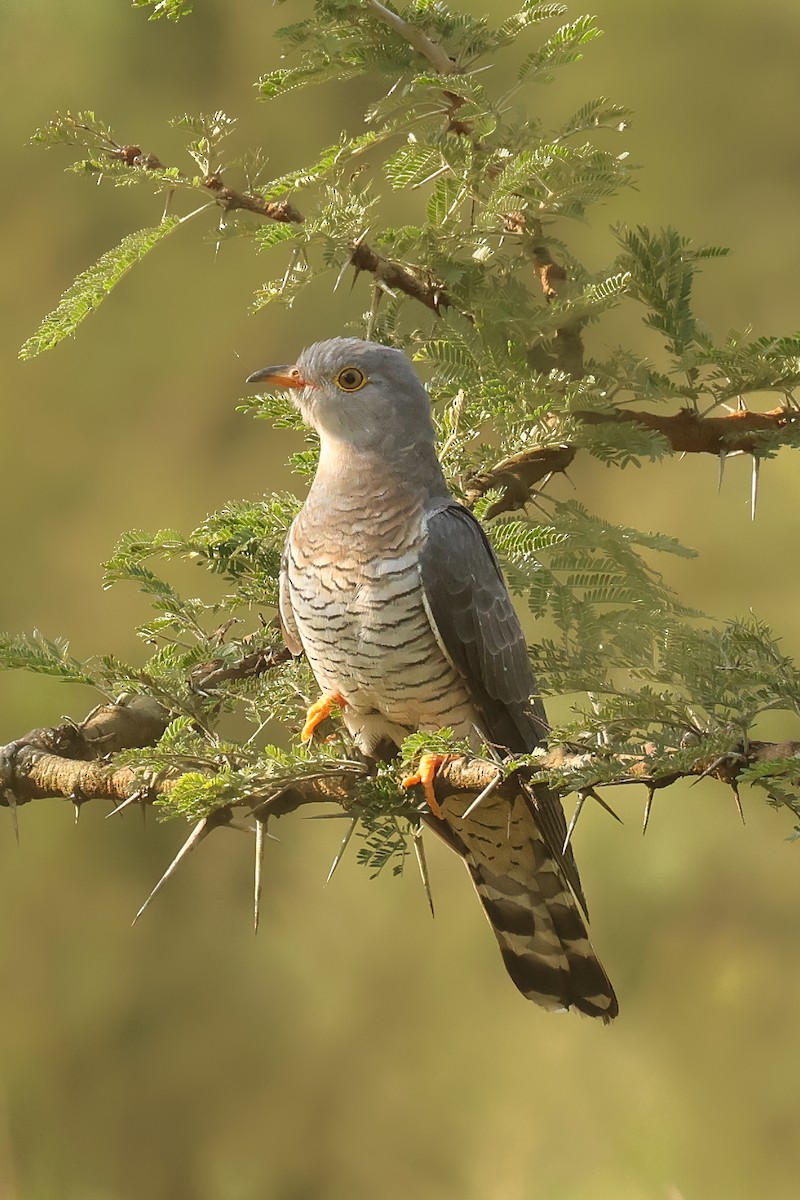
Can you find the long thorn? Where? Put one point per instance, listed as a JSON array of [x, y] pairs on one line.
[[132, 799], [651, 791], [723, 758], [607, 807], [573, 821], [422, 863], [723, 458], [11, 801], [481, 796], [338, 858], [200, 830], [260, 839], [754, 486], [735, 789]]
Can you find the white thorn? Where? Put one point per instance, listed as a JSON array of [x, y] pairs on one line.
[[422, 863], [345, 268], [754, 487], [260, 839], [338, 858], [197, 835], [573, 820], [738, 799], [132, 799], [722, 459], [481, 796], [11, 801]]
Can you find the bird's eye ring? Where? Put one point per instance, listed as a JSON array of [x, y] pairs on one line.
[[350, 379]]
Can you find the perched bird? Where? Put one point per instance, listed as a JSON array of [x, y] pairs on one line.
[[392, 590]]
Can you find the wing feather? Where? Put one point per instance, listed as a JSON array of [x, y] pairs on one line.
[[289, 629], [474, 622]]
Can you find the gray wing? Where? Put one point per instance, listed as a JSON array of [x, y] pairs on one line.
[[288, 624], [476, 626]]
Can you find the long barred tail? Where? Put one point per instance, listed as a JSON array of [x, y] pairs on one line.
[[532, 910]]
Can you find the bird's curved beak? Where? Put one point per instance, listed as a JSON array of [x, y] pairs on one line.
[[286, 377]]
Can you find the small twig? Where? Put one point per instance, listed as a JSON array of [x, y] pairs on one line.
[[230, 199], [399, 278], [517, 477]]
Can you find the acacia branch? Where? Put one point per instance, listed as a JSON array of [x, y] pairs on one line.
[[227, 197], [740, 432], [398, 278], [71, 762], [392, 275], [687, 432]]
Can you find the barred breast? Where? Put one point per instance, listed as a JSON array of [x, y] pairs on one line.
[[352, 574]]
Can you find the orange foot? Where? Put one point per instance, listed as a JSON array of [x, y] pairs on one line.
[[428, 766], [319, 712]]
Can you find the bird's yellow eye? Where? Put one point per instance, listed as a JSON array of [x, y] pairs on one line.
[[350, 379]]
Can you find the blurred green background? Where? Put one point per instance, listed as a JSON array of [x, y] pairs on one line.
[[357, 1049]]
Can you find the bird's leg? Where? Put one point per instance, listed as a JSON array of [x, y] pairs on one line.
[[428, 766], [319, 711]]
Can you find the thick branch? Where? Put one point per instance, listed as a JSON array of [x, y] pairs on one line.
[[517, 477], [686, 431], [46, 763]]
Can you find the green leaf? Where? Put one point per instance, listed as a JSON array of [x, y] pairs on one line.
[[75, 129], [279, 83], [332, 156], [91, 287], [173, 10], [41, 655], [444, 202], [411, 165], [562, 48], [270, 235], [529, 14], [597, 114]]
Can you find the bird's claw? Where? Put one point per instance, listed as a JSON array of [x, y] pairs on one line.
[[319, 711], [428, 766]]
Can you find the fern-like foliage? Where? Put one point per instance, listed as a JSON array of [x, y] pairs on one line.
[[93, 285]]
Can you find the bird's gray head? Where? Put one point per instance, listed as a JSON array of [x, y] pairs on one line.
[[359, 393]]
